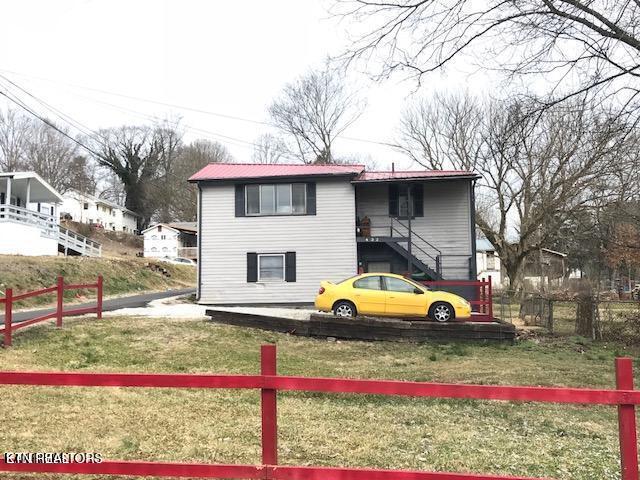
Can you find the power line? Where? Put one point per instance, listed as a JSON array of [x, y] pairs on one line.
[[48, 123], [192, 109]]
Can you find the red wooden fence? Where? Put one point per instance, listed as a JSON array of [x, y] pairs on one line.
[[59, 288], [624, 397], [483, 306]]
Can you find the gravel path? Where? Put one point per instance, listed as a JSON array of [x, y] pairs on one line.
[[172, 307]]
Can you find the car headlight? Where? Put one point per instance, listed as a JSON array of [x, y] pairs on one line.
[[463, 303]]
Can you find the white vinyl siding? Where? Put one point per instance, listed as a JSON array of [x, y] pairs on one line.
[[446, 223], [324, 243]]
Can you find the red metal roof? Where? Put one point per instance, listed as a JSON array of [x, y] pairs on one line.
[[411, 174], [230, 171], [234, 171]]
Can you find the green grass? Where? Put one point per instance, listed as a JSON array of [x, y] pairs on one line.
[[121, 276], [539, 440]]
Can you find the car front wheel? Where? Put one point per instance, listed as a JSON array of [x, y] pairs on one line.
[[441, 312], [344, 309]]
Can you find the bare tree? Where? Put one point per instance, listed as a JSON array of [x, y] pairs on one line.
[[581, 46], [537, 172], [14, 131], [137, 155], [269, 149], [50, 154], [182, 196], [313, 111]]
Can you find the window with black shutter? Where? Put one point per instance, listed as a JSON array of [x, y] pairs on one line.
[[252, 267], [290, 267], [266, 199], [271, 267], [399, 200]]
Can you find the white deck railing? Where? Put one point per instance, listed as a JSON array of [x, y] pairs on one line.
[[69, 239], [46, 223], [49, 227]]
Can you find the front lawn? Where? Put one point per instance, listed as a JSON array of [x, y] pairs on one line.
[[223, 426]]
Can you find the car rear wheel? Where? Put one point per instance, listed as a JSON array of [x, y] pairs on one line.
[[344, 309], [441, 312]]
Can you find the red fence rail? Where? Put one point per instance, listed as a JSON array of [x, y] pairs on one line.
[[9, 299], [483, 306], [269, 382]]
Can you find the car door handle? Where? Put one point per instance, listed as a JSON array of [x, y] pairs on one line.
[[392, 297]]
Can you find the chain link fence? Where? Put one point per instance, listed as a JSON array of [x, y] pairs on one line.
[[612, 320]]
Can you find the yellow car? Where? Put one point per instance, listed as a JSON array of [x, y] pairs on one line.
[[386, 294]]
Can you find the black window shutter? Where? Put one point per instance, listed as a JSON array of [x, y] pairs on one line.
[[252, 267], [418, 200], [393, 200], [290, 267], [311, 198], [240, 210]]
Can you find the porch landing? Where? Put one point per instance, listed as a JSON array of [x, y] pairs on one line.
[[370, 328]]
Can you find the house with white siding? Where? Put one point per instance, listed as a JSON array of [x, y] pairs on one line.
[[488, 262], [85, 208], [268, 234], [29, 221], [171, 240]]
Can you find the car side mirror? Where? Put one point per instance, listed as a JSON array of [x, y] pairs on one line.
[[418, 291]]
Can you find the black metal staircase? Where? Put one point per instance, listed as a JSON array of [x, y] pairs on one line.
[[423, 255]]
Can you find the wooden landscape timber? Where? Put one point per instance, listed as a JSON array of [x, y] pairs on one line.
[[371, 328]]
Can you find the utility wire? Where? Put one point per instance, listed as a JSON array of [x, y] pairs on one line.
[[9, 96], [192, 109]]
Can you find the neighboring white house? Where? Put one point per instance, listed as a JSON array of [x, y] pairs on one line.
[[488, 262], [170, 240], [84, 208], [272, 233]]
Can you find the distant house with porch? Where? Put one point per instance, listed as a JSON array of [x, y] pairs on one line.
[[29, 220], [271, 233], [170, 240]]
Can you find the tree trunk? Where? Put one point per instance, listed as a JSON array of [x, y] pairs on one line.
[[586, 318], [513, 272]]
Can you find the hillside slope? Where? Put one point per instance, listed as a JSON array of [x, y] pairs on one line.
[[121, 276]]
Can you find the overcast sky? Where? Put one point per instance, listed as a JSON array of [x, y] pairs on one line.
[[230, 58]]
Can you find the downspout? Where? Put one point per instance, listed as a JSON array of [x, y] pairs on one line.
[[199, 243], [473, 267], [409, 214]]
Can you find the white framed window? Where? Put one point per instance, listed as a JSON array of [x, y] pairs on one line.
[[271, 267], [163, 237], [276, 199]]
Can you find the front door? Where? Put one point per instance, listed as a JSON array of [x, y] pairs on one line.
[[369, 295], [402, 299]]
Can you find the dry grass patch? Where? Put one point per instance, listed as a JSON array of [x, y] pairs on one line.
[[564, 442], [121, 276]]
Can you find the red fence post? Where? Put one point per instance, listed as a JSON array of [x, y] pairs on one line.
[[269, 408], [627, 422], [8, 311], [59, 310], [490, 299], [99, 298]]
